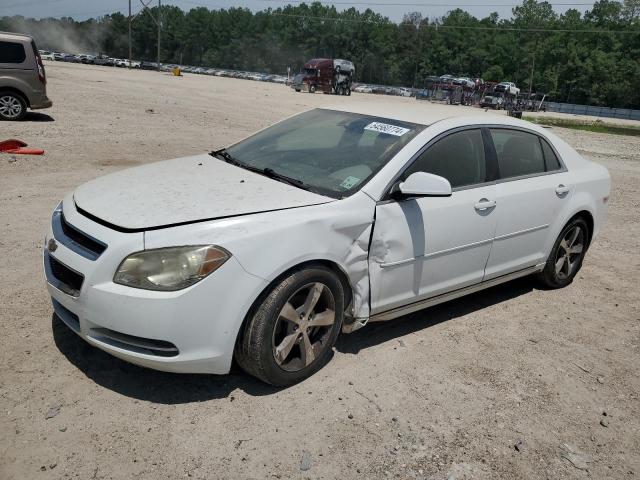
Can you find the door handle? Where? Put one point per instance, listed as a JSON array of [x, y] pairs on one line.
[[562, 190], [484, 204]]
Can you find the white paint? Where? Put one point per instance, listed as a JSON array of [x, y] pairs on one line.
[[420, 247], [184, 190]]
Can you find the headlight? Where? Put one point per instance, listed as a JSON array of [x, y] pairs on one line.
[[170, 269]]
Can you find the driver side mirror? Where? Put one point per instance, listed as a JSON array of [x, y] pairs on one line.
[[422, 184]]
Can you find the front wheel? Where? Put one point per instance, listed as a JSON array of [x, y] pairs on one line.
[[567, 255], [290, 335], [312, 89]]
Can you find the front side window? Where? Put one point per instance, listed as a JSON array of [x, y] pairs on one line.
[[519, 153], [12, 52], [333, 153], [458, 157]]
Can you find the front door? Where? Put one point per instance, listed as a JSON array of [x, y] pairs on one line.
[[422, 247]]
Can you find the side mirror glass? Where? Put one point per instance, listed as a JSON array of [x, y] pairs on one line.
[[422, 184]]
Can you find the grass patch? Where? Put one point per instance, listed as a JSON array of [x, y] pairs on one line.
[[597, 126]]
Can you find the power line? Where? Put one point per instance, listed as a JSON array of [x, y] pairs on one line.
[[425, 4]]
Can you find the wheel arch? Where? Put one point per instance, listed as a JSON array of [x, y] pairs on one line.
[[17, 91], [587, 216], [330, 264]]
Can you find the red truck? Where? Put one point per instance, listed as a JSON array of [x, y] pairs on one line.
[[326, 75]]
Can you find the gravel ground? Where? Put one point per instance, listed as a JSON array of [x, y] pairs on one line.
[[447, 393]]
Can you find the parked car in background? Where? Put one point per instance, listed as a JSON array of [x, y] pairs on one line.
[[58, 56], [46, 55], [103, 60], [23, 82], [188, 286], [87, 59], [124, 63], [508, 88], [492, 101]]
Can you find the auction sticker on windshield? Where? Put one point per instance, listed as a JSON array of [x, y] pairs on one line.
[[386, 128]]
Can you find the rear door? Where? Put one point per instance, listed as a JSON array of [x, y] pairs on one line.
[[532, 187], [18, 67], [15, 58], [422, 247]]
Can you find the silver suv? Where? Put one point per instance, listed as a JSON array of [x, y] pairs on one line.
[[22, 78]]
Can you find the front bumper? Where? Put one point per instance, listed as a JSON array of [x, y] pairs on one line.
[[189, 331]]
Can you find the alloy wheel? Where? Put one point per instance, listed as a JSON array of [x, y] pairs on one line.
[[303, 327], [10, 106], [569, 252]]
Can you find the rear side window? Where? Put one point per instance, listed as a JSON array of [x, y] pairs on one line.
[[519, 153], [458, 157], [550, 158], [11, 52]]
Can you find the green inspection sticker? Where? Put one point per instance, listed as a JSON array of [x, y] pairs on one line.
[[350, 182]]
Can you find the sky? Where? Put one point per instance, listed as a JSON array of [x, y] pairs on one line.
[[394, 9]]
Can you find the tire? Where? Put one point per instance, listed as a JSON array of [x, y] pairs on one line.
[[272, 345], [567, 254], [348, 91], [12, 106], [312, 89]]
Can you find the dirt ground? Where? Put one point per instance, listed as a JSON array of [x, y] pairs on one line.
[[446, 393]]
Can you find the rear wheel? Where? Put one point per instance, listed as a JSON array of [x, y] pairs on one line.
[[291, 334], [567, 255], [12, 106]]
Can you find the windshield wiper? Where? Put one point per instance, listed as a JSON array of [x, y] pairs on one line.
[[270, 172], [267, 172], [226, 156]]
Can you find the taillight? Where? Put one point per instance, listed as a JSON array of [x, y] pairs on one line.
[[41, 75]]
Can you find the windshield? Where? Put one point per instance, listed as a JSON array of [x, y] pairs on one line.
[[333, 153]]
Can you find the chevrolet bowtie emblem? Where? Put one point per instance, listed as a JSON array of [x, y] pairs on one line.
[[52, 245]]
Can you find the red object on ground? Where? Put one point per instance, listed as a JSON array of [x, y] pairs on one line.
[[17, 147], [25, 151], [11, 144]]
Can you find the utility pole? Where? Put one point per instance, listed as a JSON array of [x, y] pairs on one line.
[[533, 66], [159, 22], [157, 19], [130, 19]]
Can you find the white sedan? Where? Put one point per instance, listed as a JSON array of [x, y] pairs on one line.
[[265, 251]]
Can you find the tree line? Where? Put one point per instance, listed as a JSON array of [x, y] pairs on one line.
[[591, 58]]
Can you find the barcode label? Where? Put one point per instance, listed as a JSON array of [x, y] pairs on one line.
[[386, 128]]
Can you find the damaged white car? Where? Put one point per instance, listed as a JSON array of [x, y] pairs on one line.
[[265, 251]]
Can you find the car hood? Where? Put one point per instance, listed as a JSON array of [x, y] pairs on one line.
[[185, 190]]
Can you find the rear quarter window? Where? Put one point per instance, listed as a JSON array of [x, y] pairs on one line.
[[12, 52], [550, 158]]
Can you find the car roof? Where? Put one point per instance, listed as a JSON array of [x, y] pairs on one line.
[[15, 36], [428, 114], [406, 112]]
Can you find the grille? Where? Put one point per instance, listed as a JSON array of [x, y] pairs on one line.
[[62, 277], [82, 238], [74, 239]]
